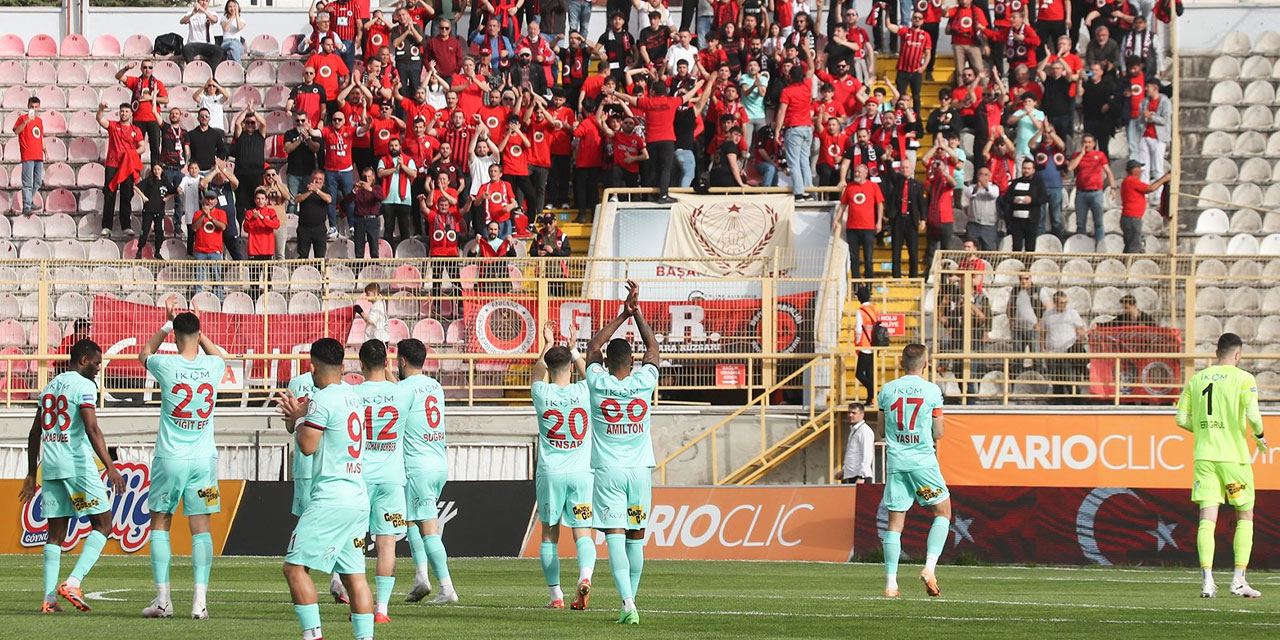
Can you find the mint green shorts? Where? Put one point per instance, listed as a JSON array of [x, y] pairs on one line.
[[329, 539], [622, 497], [84, 495], [301, 495], [386, 509], [565, 498], [194, 482], [422, 490], [923, 486]]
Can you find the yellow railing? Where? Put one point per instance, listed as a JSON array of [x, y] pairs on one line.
[[815, 369]]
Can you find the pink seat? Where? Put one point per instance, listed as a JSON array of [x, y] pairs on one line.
[[54, 122], [103, 72], [406, 277], [14, 389], [37, 203], [291, 42], [42, 46], [15, 97], [91, 206], [279, 122], [59, 174], [397, 330], [229, 72], [84, 123], [82, 97], [104, 46], [116, 95], [10, 367], [11, 72], [168, 72], [264, 45], [131, 250], [137, 46], [11, 46], [260, 73], [41, 72], [52, 98], [15, 177], [349, 378], [276, 98], [197, 73], [246, 96], [289, 72], [75, 46], [182, 97], [429, 331], [12, 153], [91, 174], [60, 201], [55, 150], [84, 150]]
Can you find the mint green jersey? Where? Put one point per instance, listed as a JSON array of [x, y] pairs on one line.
[[188, 395], [563, 427], [1217, 405], [338, 481], [65, 450], [424, 432], [910, 404], [386, 408], [302, 387], [620, 417]]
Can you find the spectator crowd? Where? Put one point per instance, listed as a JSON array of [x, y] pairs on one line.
[[405, 125]]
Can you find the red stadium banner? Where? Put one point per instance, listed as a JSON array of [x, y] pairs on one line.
[[810, 523], [1078, 450], [123, 327], [27, 529], [509, 324], [1071, 525], [1142, 380]]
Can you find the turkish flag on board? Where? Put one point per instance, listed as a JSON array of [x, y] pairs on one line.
[[123, 327]]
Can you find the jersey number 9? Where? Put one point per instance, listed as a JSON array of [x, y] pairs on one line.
[[355, 431]]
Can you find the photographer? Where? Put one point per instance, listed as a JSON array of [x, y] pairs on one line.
[[552, 242]]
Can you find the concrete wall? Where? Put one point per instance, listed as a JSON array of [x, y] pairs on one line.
[[1203, 27]]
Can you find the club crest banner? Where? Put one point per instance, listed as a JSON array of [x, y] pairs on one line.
[[725, 235]]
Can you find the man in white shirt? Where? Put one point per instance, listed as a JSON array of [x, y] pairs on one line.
[[683, 49], [983, 213], [1061, 331], [860, 450], [202, 27]]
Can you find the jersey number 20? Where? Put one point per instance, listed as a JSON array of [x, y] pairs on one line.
[[577, 423]]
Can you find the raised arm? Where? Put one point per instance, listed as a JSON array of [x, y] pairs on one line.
[[651, 354], [596, 343], [153, 343]]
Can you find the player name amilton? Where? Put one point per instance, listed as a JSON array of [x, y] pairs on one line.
[[623, 429]]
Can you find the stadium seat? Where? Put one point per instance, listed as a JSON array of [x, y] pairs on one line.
[[103, 72], [59, 174], [91, 174], [1076, 271], [304, 302], [1245, 221], [137, 46], [341, 248], [35, 249], [10, 307], [1210, 245], [68, 277], [1243, 326], [276, 97], [1111, 243], [1210, 300], [1079, 243], [71, 305], [289, 72], [52, 97], [229, 72], [1048, 243], [246, 96], [168, 72], [1268, 329], [237, 302], [12, 153], [1270, 245], [1224, 68], [206, 302], [41, 72], [1250, 143], [1222, 169], [264, 45], [1144, 271], [61, 202], [136, 278], [75, 46], [12, 73], [68, 250], [1208, 326], [1217, 143], [291, 44], [11, 46], [141, 297], [306, 278], [84, 123], [196, 73], [28, 227], [54, 123], [1268, 43], [1257, 117], [397, 330], [271, 302], [30, 306], [5, 229], [1212, 221], [104, 279], [114, 95], [1244, 300], [411, 248], [42, 46], [1237, 44], [1006, 273], [341, 278], [1226, 92], [1211, 270], [1243, 244], [1245, 272], [406, 277], [82, 97], [15, 97], [103, 249], [1224, 117], [12, 334], [83, 149], [402, 304], [173, 249], [106, 46], [260, 73], [1259, 92], [429, 331], [1044, 272]]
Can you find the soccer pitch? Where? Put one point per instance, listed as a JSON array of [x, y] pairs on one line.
[[504, 598]]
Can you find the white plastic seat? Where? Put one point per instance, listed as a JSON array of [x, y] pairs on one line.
[[1000, 328], [71, 305], [1268, 330], [10, 306], [341, 278], [1225, 117], [1210, 245], [1211, 300], [28, 227], [1257, 116], [1224, 68], [104, 279], [1245, 271], [1211, 269], [1271, 302], [1271, 271], [1271, 220], [1044, 272], [1222, 169], [1243, 326], [1006, 273], [1144, 271], [1048, 243], [1237, 44], [1076, 271], [1242, 221], [411, 248], [69, 250], [1080, 299], [1208, 326], [1212, 195], [304, 302], [1259, 92], [1111, 243], [1243, 244], [992, 385], [271, 302], [206, 302], [1268, 43], [306, 278], [104, 249], [1244, 300], [1111, 272], [1226, 92], [1270, 245], [1250, 143], [1255, 68], [1255, 170], [1079, 243]]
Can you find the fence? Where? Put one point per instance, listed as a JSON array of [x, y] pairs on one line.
[[1116, 329], [480, 318]]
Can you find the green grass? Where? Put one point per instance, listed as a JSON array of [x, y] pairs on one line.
[[503, 598]]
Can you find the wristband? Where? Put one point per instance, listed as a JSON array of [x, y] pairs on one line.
[[574, 355], [167, 327]]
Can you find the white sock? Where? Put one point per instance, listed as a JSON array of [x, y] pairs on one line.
[[198, 600], [629, 604], [1238, 577], [421, 576], [1207, 574], [312, 634], [51, 599], [380, 607], [446, 585], [162, 593], [556, 593], [931, 562], [585, 571], [73, 582], [891, 581]]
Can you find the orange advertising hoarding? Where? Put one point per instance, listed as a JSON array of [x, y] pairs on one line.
[[813, 523], [1079, 450]]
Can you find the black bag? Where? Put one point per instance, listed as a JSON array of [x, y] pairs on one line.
[[879, 335], [167, 45]]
